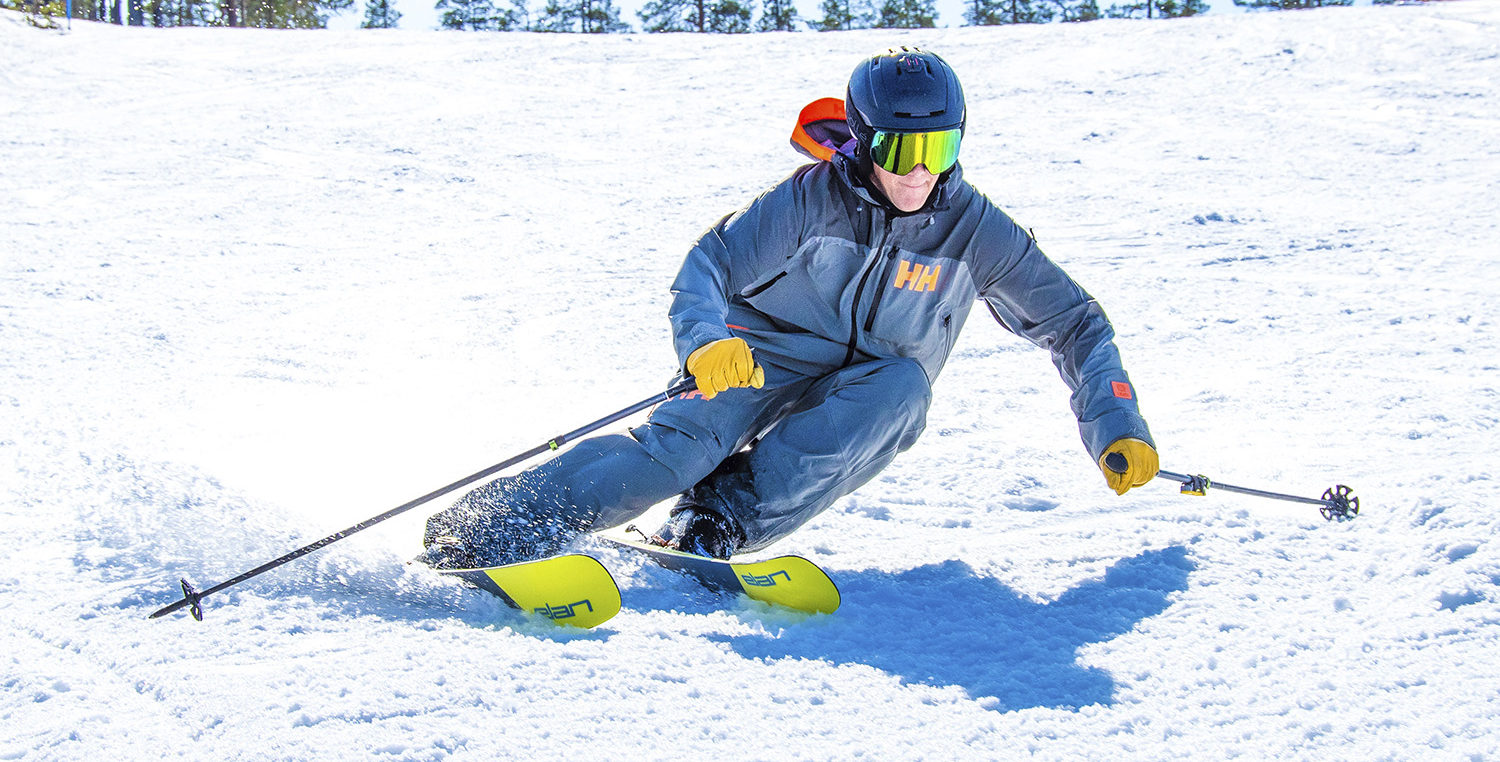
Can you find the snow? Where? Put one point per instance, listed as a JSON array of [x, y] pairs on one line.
[[258, 286]]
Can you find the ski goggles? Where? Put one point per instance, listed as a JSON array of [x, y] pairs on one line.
[[901, 152]]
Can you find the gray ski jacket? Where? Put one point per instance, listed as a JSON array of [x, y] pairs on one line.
[[817, 274]]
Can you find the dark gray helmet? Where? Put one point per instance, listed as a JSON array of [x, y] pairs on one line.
[[903, 90]]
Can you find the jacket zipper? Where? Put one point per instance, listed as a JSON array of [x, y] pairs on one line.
[[762, 287], [875, 306], [859, 292]]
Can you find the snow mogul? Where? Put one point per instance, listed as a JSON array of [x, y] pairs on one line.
[[815, 321]]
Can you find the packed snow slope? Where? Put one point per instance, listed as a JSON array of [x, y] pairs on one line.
[[258, 286]]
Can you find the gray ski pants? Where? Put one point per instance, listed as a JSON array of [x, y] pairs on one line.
[[767, 459]]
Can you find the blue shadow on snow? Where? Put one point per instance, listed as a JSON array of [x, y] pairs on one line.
[[943, 624]]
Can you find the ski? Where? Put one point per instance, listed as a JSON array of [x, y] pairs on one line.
[[790, 581], [572, 589]]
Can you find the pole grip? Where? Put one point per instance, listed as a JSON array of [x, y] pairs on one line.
[[1116, 463]]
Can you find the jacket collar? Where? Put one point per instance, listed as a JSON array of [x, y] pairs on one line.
[[847, 169]]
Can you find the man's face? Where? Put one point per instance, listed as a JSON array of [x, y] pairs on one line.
[[908, 192]]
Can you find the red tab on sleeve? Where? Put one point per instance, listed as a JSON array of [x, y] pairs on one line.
[[1121, 389]]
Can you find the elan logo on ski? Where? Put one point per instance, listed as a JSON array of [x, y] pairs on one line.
[[790, 581], [562, 612], [766, 580]]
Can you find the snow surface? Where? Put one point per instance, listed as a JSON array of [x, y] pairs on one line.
[[258, 286]]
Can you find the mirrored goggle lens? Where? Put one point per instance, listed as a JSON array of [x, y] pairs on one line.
[[901, 152]]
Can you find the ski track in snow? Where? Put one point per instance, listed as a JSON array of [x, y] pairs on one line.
[[258, 286]]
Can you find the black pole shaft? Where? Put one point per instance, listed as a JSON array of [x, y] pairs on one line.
[[192, 598]]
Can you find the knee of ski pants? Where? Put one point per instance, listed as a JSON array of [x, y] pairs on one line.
[[688, 451], [907, 392]]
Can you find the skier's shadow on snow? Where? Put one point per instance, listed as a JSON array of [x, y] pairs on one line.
[[944, 624]]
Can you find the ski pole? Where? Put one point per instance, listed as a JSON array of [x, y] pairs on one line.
[[194, 599], [1338, 502]]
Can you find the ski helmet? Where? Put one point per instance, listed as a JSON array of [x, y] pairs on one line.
[[903, 90]]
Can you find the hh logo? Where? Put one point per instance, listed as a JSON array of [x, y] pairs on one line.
[[917, 277], [562, 612], [769, 580]]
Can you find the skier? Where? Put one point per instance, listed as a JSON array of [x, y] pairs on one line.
[[815, 320]]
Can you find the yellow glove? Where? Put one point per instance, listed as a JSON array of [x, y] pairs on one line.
[[724, 364], [1141, 464]]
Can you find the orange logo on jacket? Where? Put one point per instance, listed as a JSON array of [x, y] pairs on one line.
[[917, 277]]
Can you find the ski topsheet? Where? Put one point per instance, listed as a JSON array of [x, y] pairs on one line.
[[790, 581], [570, 589]]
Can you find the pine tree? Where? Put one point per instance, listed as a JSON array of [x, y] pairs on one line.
[[994, 12], [482, 15], [1286, 5], [1165, 9], [728, 17], [160, 13], [42, 14], [837, 15], [558, 17], [1171, 9], [379, 14], [475, 15], [1069, 11], [261, 14], [672, 16], [602, 17], [778, 16], [907, 14], [724, 16], [582, 16], [845, 14], [285, 14]]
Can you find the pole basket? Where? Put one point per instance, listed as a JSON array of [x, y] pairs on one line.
[[1339, 503]]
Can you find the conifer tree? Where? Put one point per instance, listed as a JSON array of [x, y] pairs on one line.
[[263, 14], [728, 17], [157, 13], [995, 12], [907, 14], [279, 14], [601, 17], [581, 16], [42, 14], [558, 16], [475, 15], [673, 15], [380, 14], [1069, 11], [1285, 5], [778, 16], [845, 14], [1169, 9], [724, 16], [1165, 9]]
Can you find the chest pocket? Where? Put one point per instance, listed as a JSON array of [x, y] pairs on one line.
[[911, 313], [815, 289]]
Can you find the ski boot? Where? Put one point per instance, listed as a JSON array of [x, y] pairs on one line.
[[476, 536], [699, 531]]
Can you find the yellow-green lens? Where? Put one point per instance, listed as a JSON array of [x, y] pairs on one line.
[[901, 152]]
